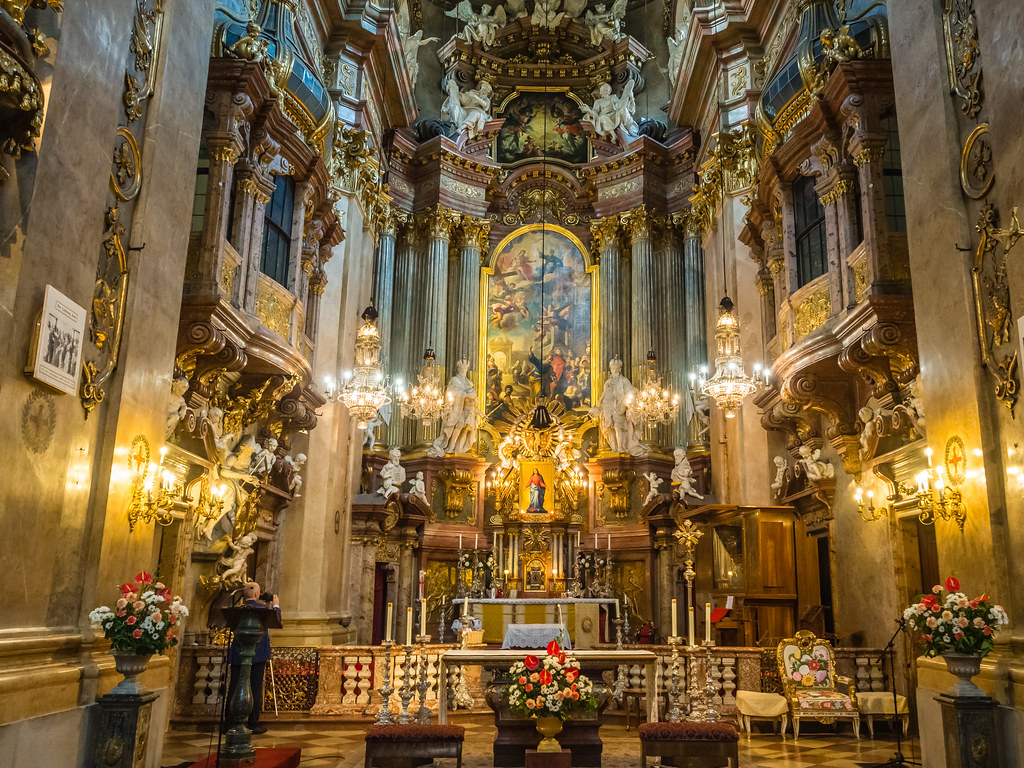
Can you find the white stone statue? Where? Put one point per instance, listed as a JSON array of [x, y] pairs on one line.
[[223, 444], [237, 463], [460, 424], [814, 468], [546, 14], [574, 8], [418, 488], [382, 418], [515, 9], [411, 49], [617, 428], [232, 563], [469, 110], [779, 483], [915, 407], [869, 434], [295, 484], [264, 459], [676, 45], [482, 26], [605, 24], [610, 111], [176, 406], [698, 416], [653, 484], [392, 474], [682, 475]]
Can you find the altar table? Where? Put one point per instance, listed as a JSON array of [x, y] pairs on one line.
[[535, 636], [592, 659], [579, 614]]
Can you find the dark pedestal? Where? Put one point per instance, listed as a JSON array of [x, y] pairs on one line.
[[276, 757], [123, 734], [517, 735], [969, 726], [535, 759]]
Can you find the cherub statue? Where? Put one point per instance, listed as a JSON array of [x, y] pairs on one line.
[[606, 24], [249, 46], [176, 406], [264, 459], [481, 26], [839, 45], [653, 484], [411, 49], [469, 110], [915, 408], [418, 488], [382, 417], [392, 474], [610, 111], [546, 14], [295, 484], [779, 483], [868, 434], [675, 50], [682, 475], [814, 468], [232, 564], [515, 9], [573, 9]]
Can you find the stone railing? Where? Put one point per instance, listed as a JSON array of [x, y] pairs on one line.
[[343, 681]]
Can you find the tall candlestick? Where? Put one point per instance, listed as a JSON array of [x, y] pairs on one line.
[[408, 626], [387, 623], [674, 633], [423, 616], [692, 627], [707, 622]]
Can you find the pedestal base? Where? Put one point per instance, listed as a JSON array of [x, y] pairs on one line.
[[275, 757], [123, 736], [535, 759], [970, 734]]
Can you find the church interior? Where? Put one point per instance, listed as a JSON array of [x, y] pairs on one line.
[[539, 383]]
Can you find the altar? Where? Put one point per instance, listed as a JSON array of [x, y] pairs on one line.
[[581, 616]]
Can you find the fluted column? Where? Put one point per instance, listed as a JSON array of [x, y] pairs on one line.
[[696, 313], [613, 297], [464, 295], [431, 324], [399, 326], [669, 318], [384, 276], [637, 227], [868, 151]]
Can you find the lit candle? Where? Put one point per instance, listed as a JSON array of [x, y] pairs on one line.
[[692, 632], [609, 542], [465, 606], [494, 540], [673, 617], [476, 541], [618, 614], [595, 542], [422, 575], [423, 616], [707, 622], [387, 623], [408, 625], [460, 541], [577, 539]]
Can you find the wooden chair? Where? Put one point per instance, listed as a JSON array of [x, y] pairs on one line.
[[407, 746], [810, 684], [710, 745]]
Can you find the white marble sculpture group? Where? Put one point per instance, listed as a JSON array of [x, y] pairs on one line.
[[618, 428], [460, 423], [682, 475], [610, 112]]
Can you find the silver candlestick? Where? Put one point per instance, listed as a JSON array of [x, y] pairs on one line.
[[620, 671], [423, 713], [675, 713], [384, 716], [440, 624], [710, 714], [694, 694], [406, 691]]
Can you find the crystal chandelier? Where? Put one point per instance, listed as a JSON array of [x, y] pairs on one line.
[[427, 400], [730, 384], [366, 392], [652, 404]]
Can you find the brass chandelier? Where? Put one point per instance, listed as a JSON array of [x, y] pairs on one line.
[[730, 384], [652, 404], [427, 400], [366, 391]]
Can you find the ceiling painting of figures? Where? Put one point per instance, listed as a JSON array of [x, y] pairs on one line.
[[541, 125], [538, 320]]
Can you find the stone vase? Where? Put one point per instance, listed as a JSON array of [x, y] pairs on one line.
[[964, 666], [549, 727], [131, 665]]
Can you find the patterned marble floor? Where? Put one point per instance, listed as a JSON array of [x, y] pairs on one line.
[[341, 746]]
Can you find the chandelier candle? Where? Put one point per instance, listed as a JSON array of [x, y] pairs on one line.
[[691, 627]]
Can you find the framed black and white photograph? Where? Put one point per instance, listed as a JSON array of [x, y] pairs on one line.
[[57, 358]]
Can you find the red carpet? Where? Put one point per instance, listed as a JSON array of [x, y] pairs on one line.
[[274, 757]]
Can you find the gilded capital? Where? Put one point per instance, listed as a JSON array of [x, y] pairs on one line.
[[474, 233], [636, 223], [868, 155], [441, 222], [605, 232]]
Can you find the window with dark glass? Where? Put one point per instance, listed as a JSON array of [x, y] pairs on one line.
[[892, 170], [199, 196], [277, 231], [809, 217]]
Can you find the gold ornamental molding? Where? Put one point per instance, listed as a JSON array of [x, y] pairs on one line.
[[976, 167], [456, 484], [963, 54], [618, 483], [730, 168], [274, 307], [811, 313]]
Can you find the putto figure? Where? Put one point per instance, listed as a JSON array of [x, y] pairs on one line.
[[606, 24], [481, 26]]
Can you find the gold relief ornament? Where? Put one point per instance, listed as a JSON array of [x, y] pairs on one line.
[[126, 167], [618, 482], [977, 171], [811, 313], [457, 484], [963, 54]]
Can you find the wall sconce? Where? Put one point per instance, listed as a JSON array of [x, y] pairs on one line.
[[209, 504], [868, 511], [149, 504], [936, 498]]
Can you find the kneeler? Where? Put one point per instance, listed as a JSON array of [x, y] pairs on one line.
[[407, 746], [700, 744]]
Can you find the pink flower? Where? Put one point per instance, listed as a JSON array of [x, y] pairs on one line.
[[979, 622], [962, 622], [937, 588], [130, 620], [156, 616], [121, 602], [531, 704], [926, 638], [137, 634], [138, 604], [932, 622]]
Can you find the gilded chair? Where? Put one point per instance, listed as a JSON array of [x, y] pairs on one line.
[[810, 684]]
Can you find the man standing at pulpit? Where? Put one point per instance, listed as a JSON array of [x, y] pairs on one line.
[[537, 491]]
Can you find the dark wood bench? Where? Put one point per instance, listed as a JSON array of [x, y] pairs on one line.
[[711, 745], [407, 746]]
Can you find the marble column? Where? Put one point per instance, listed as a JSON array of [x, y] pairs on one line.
[[613, 297], [397, 324], [464, 295], [224, 151], [637, 227], [253, 192], [868, 151], [669, 317], [384, 279], [430, 325], [694, 301]]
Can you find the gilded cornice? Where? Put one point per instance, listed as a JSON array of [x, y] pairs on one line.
[[730, 168]]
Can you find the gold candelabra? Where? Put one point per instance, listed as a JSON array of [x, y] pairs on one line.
[[932, 496], [154, 492]]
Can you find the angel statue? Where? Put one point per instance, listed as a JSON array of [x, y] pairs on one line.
[[653, 483], [675, 51], [546, 14], [515, 9], [606, 24], [469, 110], [573, 9], [610, 111], [411, 49], [481, 26], [814, 468]]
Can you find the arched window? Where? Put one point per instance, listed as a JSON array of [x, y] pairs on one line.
[[277, 231], [809, 217]]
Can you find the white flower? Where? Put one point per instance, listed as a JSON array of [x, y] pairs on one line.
[[98, 615]]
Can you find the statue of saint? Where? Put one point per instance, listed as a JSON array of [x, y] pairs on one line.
[[682, 475], [537, 491], [459, 426], [392, 474], [609, 111], [469, 110], [617, 428]]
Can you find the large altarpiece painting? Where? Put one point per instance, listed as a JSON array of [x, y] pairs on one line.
[[539, 125]]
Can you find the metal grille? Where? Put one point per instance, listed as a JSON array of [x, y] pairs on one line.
[[296, 677]]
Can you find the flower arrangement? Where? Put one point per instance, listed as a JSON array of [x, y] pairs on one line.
[[955, 623], [145, 619], [551, 686]]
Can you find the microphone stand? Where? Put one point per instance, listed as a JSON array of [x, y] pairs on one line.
[[898, 759]]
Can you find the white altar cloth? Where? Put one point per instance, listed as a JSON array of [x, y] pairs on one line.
[[535, 636]]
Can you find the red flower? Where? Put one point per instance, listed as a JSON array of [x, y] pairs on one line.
[[127, 588], [553, 649], [130, 620], [575, 696], [929, 600], [926, 638], [143, 578], [528, 687], [561, 658], [936, 608], [545, 677], [813, 665], [137, 634], [987, 630], [122, 612], [953, 584], [531, 662], [983, 598], [522, 681]]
